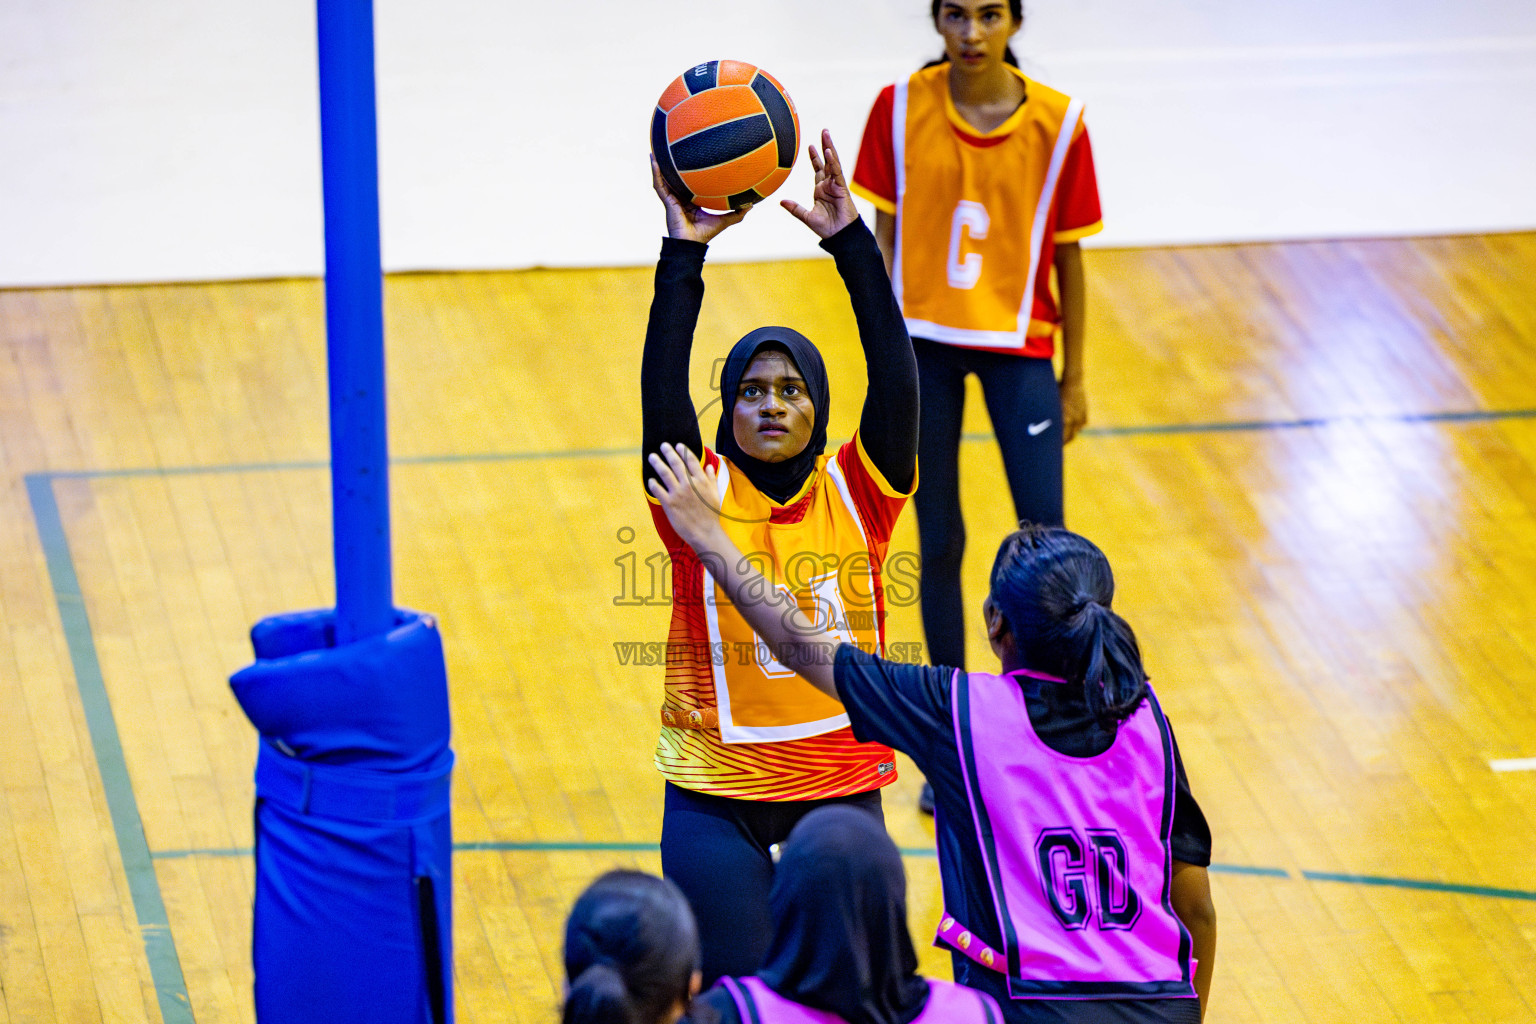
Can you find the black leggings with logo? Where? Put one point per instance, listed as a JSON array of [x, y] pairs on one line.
[[717, 851], [1025, 407]]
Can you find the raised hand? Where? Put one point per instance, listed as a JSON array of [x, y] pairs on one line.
[[684, 220], [686, 490], [832, 206]]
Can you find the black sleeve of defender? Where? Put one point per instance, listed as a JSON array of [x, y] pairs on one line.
[[903, 706], [1191, 833]]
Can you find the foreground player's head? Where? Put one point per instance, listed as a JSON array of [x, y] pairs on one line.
[[774, 403], [1049, 611], [631, 952], [839, 905], [976, 32]]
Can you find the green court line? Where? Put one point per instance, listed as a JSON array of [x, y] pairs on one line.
[[925, 852], [133, 848], [579, 846], [1247, 869], [204, 851], [1310, 422], [532, 846], [143, 471], [1143, 430], [1411, 883]]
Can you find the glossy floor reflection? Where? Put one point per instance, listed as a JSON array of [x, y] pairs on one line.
[[1313, 467]]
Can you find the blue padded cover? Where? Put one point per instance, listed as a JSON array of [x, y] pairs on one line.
[[353, 908], [380, 702]]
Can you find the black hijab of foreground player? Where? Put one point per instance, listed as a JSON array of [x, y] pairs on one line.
[[631, 952], [778, 480], [839, 905], [1054, 589]]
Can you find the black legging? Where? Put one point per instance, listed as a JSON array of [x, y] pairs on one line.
[[716, 850], [1021, 394]]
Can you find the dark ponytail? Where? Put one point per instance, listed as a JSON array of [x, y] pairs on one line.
[[599, 994], [631, 949], [1054, 589], [1110, 656], [1015, 8]]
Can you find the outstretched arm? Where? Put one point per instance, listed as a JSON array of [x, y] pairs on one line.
[[1191, 898], [888, 424], [686, 492], [667, 412]]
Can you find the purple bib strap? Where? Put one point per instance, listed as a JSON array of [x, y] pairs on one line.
[[947, 1003], [744, 1008], [958, 937], [759, 1004], [961, 939]]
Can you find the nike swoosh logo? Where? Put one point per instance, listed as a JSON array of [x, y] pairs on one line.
[[1036, 429]]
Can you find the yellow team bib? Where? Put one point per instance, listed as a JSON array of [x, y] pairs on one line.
[[823, 561], [972, 217]]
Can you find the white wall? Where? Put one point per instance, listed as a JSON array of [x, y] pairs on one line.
[[178, 139]]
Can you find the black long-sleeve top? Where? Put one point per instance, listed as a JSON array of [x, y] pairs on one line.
[[888, 423]]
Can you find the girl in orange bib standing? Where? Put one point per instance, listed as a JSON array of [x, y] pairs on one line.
[[747, 746], [983, 182]]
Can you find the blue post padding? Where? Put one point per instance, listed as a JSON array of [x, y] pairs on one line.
[[381, 702], [353, 919], [354, 318], [353, 909]]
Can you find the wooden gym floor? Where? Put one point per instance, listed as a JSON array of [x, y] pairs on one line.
[[1312, 465]]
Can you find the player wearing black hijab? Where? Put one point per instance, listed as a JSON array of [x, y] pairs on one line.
[[778, 480], [840, 941], [747, 747]]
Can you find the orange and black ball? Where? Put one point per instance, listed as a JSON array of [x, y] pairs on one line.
[[725, 134]]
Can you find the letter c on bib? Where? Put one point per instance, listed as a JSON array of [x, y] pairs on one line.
[[970, 219]]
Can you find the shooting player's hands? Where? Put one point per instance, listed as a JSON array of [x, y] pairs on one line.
[[684, 220], [832, 206]]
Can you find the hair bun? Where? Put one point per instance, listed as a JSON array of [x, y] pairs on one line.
[[598, 994]]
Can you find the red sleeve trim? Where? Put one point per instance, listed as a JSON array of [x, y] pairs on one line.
[[676, 547], [867, 464], [874, 175], [1077, 193], [878, 503]]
